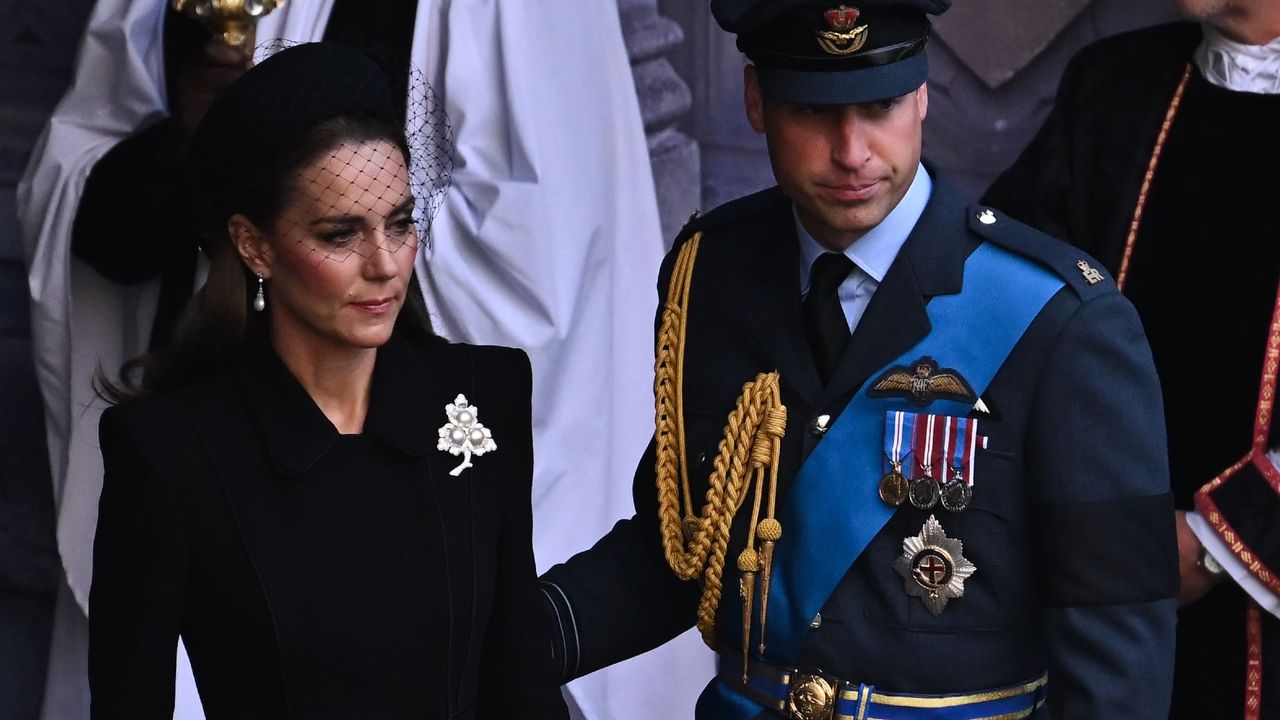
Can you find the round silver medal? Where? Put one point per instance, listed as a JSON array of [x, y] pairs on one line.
[[925, 492], [956, 496]]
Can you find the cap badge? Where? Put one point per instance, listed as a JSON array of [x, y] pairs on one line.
[[464, 434], [843, 36]]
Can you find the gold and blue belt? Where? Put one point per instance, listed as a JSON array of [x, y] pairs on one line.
[[804, 695]]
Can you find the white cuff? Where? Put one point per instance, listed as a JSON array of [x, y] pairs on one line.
[[1236, 569]]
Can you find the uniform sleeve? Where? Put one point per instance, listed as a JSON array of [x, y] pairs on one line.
[[135, 603], [517, 644], [619, 598], [1105, 539]]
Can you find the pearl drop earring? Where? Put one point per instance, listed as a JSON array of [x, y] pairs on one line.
[[260, 300]]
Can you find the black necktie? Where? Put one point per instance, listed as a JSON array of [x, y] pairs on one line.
[[824, 320]]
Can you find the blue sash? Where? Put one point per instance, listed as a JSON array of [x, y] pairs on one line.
[[833, 509]]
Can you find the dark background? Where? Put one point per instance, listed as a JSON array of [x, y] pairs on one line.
[[995, 66]]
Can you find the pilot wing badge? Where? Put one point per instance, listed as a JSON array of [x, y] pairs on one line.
[[922, 383]]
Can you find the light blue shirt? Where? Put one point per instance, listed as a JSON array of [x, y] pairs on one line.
[[873, 253]]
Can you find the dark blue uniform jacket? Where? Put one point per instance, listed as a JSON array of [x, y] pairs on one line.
[[1071, 526]]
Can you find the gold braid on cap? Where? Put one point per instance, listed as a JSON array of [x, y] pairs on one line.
[[695, 545]]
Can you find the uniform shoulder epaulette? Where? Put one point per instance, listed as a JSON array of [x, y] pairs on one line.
[[1077, 268], [740, 210]]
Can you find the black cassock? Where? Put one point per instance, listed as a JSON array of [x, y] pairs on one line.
[[1203, 274]]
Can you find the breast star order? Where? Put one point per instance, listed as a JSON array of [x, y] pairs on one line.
[[933, 566], [464, 434]]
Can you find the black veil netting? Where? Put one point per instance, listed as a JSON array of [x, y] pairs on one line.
[[311, 142]]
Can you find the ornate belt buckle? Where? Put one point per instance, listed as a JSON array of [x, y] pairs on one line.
[[812, 697]]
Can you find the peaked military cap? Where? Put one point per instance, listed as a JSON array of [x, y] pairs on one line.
[[833, 53]]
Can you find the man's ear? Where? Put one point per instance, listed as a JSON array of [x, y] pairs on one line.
[[752, 98], [922, 100], [251, 244]]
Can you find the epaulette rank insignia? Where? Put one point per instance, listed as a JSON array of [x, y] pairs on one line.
[[1091, 275]]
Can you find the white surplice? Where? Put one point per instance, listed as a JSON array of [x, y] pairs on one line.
[[548, 240]]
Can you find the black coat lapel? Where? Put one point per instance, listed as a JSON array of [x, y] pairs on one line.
[[440, 375], [894, 321]]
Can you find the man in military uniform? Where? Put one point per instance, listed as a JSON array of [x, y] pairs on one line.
[[944, 479], [1159, 158]]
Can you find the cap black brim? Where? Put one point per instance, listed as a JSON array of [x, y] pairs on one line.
[[848, 87]]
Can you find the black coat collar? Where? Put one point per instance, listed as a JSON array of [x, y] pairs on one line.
[[295, 431], [940, 242]]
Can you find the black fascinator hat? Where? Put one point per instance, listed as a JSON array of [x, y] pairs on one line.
[[260, 127]]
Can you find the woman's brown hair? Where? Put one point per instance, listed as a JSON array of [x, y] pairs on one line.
[[214, 328]]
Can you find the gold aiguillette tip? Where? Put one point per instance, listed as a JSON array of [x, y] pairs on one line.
[[748, 563]]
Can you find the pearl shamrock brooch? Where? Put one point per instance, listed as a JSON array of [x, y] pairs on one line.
[[464, 434]]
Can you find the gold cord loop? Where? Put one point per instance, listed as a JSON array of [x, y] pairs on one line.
[[695, 545]]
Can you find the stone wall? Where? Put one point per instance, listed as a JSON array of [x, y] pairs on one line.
[[665, 101], [38, 41]]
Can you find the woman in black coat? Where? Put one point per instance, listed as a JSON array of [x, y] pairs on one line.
[[328, 503]]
